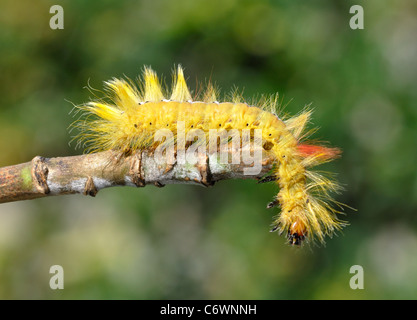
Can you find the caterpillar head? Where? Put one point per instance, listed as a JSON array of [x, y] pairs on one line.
[[297, 233]]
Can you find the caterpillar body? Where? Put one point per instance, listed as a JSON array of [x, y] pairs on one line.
[[135, 113]]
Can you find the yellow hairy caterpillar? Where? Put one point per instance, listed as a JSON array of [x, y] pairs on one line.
[[135, 114]]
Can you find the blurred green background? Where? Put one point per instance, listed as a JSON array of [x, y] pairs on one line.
[[186, 242]]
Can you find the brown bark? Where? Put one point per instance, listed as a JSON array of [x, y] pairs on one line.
[[87, 174]]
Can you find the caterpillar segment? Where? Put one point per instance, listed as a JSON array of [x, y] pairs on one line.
[[129, 122]]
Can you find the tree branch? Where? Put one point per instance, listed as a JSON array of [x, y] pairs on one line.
[[87, 174]]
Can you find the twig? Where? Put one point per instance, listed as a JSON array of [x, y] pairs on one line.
[[87, 174]]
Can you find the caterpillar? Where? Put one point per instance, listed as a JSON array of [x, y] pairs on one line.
[[129, 116]]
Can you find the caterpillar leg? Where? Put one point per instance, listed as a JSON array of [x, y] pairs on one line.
[[268, 179]]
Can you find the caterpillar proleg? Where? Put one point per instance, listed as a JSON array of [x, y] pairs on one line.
[[129, 116]]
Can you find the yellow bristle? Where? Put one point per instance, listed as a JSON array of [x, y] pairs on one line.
[[103, 111], [152, 87], [180, 90], [125, 96], [210, 95], [297, 124], [236, 96]]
